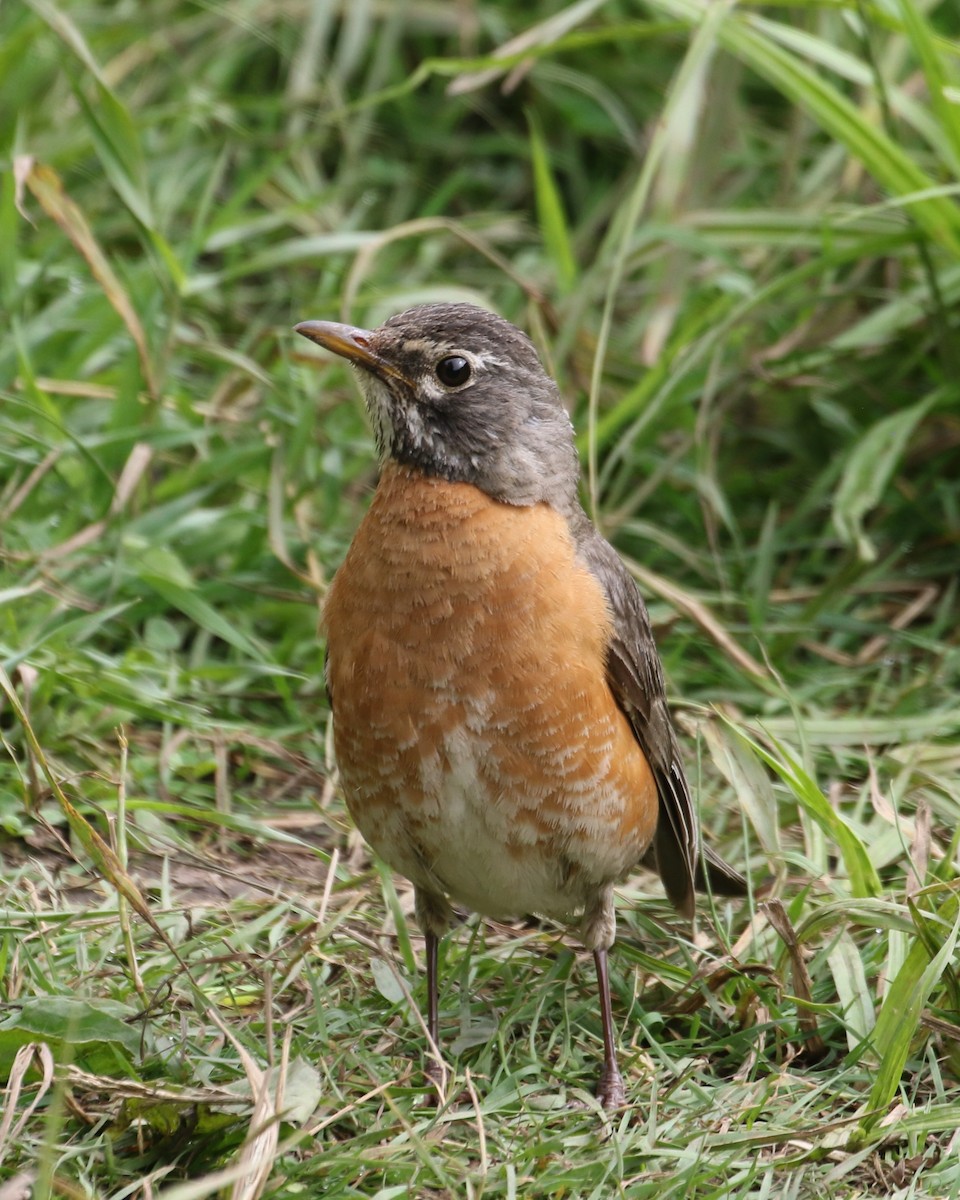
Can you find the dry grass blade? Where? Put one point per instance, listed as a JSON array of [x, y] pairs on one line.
[[33, 480], [813, 1045], [919, 850], [131, 1089], [131, 475], [700, 614], [541, 34], [420, 228], [10, 1130], [903, 620], [103, 856], [260, 1149], [46, 186]]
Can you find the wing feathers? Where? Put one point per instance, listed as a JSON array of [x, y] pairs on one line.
[[636, 680]]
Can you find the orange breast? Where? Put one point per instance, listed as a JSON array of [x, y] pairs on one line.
[[480, 748]]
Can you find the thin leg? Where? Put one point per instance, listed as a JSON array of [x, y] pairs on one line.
[[434, 917], [610, 1090], [433, 1001], [433, 1068]]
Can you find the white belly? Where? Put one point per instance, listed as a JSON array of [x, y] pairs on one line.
[[468, 841]]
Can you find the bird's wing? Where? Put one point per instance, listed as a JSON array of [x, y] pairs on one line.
[[635, 676]]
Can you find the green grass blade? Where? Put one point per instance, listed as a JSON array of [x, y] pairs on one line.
[[943, 87], [553, 221], [899, 1017], [864, 881], [863, 138]]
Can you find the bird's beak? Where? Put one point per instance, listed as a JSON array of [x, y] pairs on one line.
[[355, 345]]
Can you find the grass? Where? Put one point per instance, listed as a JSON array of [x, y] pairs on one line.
[[734, 234]]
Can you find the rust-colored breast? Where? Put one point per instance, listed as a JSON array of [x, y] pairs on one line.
[[480, 748]]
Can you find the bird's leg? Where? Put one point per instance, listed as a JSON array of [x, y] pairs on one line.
[[433, 988], [598, 930], [433, 916], [610, 1090]]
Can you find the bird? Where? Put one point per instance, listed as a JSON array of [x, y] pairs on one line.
[[500, 720]]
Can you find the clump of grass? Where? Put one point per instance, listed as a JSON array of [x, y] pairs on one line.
[[735, 236]]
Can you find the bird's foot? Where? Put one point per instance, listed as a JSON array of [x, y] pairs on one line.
[[434, 1074], [610, 1090], [438, 1079]]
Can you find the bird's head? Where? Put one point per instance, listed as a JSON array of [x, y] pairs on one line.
[[458, 392]]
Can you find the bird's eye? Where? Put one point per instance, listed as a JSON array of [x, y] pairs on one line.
[[453, 371]]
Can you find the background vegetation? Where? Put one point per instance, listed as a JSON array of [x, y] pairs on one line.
[[734, 233]]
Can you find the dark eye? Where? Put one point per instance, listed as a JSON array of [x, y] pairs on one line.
[[453, 371]]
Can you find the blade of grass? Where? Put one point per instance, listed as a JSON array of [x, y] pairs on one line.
[[864, 882], [899, 1017], [887, 161], [553, 221], [46, 186]]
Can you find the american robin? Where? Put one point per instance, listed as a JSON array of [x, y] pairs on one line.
[[500, 722]]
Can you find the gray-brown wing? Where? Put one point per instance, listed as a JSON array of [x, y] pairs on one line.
[[636, 679]]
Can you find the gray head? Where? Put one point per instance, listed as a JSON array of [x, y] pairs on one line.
[[459, 392]]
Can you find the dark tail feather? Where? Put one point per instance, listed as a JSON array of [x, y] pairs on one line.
[[713, 875], [716, 876]]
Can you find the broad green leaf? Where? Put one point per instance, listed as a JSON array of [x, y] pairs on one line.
[[855, 993], [477, 1032], [302, 1089], [74, 1021], [386, 980], [868, 472]]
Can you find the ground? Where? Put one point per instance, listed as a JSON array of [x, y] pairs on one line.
[[734, 237]]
